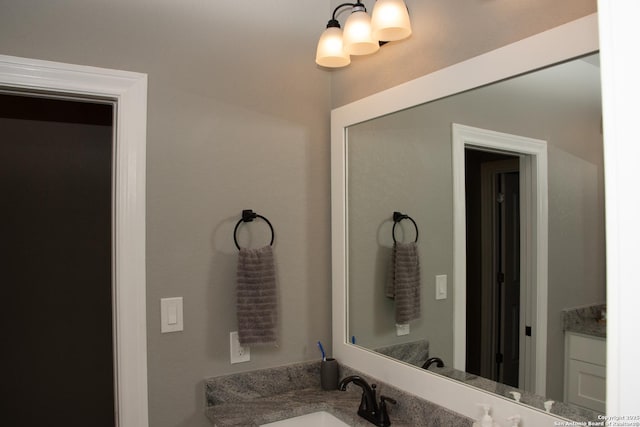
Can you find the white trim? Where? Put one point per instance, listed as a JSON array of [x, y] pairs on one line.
[[620, 68], [129, 91], [535, 239], [567, 41]]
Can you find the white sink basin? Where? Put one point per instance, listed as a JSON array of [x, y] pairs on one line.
[[315, 419]]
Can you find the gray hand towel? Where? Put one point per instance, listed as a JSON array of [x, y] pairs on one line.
[[404, 282], [257, 302]]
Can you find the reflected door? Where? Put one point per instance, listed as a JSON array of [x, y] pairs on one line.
[[493, 265], [507, 236]]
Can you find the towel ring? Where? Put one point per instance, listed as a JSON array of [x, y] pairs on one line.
[[397, 217], [248, 216]]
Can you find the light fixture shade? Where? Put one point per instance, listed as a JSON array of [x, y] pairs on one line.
[[357, 34], [390, 20], [330, 51]]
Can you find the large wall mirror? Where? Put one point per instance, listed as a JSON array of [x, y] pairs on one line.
[[469, 222]]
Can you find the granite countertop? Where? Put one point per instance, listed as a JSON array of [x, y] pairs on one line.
[[414, 352], [561, 409], [342, 405], [252, 398], [586, 320]]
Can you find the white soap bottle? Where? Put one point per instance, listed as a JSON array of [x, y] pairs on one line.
[[486, 420], [548, 405], [515, 420]]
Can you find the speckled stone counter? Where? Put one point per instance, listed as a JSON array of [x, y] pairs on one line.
[[414, 352], [258, 397], [561, 409], [586, 320]]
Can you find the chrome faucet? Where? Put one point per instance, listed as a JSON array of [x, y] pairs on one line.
[[369, 408], [430, 361]]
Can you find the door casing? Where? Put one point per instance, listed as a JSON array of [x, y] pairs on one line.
[[533, 245], [128, 90]]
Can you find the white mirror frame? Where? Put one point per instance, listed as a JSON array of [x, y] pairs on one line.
[[620, 68], [568, 41]]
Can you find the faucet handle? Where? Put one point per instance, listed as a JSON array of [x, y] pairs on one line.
[[384, 399], [383, 416]]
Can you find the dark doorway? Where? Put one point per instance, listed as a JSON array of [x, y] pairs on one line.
[[493, 265], [56, 176]]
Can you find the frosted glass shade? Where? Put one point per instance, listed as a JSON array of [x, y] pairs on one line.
[[330, 51], [357, 35], [390, 20]]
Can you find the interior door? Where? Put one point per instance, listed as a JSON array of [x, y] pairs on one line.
[[508, 283], [493, 264], [56, 174]]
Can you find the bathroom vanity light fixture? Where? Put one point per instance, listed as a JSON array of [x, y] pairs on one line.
[[362, 34]]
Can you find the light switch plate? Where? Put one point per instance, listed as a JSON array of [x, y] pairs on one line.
[[441, 286], [171, 319]]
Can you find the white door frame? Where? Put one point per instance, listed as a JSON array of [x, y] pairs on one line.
[[129, 91], [533, 251]]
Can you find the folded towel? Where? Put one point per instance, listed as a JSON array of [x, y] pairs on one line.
[[404, 282], [390, 285], [257, 302]]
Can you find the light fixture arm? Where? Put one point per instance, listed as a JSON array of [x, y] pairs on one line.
[[334, 21]]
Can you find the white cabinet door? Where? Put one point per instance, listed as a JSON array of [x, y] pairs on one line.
[[585, 371]]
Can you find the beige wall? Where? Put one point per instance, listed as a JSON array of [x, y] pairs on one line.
[[400, 162], [445, 33], [238, 117]]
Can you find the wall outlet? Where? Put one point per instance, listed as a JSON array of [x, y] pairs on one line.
[[402, 330], [238, 354]]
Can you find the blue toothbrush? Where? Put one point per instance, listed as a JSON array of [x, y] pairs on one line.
[[324, 356]]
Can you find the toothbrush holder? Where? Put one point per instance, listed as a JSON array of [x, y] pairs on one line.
[[329, 374]]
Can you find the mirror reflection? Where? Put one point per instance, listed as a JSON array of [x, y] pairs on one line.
[[403, 163]]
